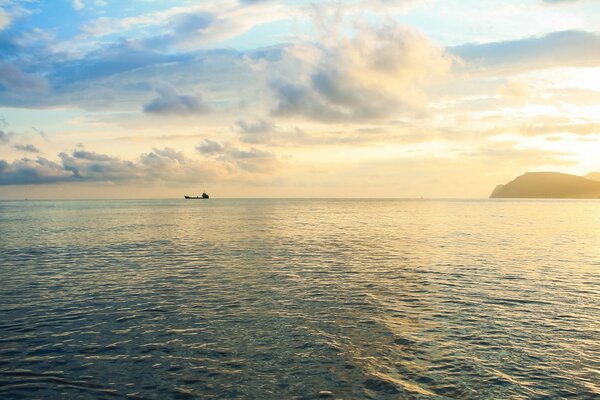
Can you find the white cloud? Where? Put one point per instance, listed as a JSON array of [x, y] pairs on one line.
[[560, 1], [78, 5], [4, 19], [377, 73], [251, 160], [555, 49], [193, 26]]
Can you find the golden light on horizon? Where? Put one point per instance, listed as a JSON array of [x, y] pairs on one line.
[[279, 92]]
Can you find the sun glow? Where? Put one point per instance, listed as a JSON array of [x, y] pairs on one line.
[[239, 94]]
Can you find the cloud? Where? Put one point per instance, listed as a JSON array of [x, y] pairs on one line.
[[510, 153], [580, 129], [27, 148], [201, 28], [90, 156], [256, 127], [185, 28], [560, 1], [255, 1], [257, 132], [122, 76], [515, 90], [27, 172], [119, 72], [265, 132], [4, 19], [5, 137], [165, 165], [253, 153], [89, 166], [40, 132], [254, 160], [193, 23], [169, 102], [378, 73], [196, 25], [210, 147], [250, 160], [14, 79], [115, 58], [565, 48], [170, 165], [78, 5]]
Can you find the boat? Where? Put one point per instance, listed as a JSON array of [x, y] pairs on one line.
[[204, 196]]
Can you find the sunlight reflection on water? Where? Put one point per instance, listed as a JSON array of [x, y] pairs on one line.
[[287, 298]]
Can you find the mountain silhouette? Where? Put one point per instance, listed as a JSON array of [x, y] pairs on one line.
[[551, 185], [595, 176]]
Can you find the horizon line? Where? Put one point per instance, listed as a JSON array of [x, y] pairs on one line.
[[299, 198]]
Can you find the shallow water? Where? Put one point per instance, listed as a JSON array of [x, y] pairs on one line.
[[279, 299]]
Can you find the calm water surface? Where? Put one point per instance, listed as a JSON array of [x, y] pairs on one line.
[[284, 299]]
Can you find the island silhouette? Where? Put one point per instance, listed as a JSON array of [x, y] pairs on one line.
[[550, 185]]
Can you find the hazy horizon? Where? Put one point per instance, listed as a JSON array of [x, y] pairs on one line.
[[372, 98], [37, 192]]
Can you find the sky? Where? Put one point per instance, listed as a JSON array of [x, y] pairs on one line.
[[260, 98]]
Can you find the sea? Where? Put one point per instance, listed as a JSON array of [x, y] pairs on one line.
[[300, 299]]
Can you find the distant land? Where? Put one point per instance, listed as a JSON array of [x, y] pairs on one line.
[[551, 185]]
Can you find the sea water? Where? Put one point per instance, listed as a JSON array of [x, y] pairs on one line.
[[300, 299]]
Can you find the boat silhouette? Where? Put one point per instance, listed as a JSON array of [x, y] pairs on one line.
[[204, 196]]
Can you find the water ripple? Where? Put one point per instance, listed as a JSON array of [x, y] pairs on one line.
[[300, 299]]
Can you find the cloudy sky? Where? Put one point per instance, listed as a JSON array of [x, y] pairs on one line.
[[259, 98]]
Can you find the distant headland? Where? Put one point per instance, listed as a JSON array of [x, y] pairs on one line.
[[551, 185]]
